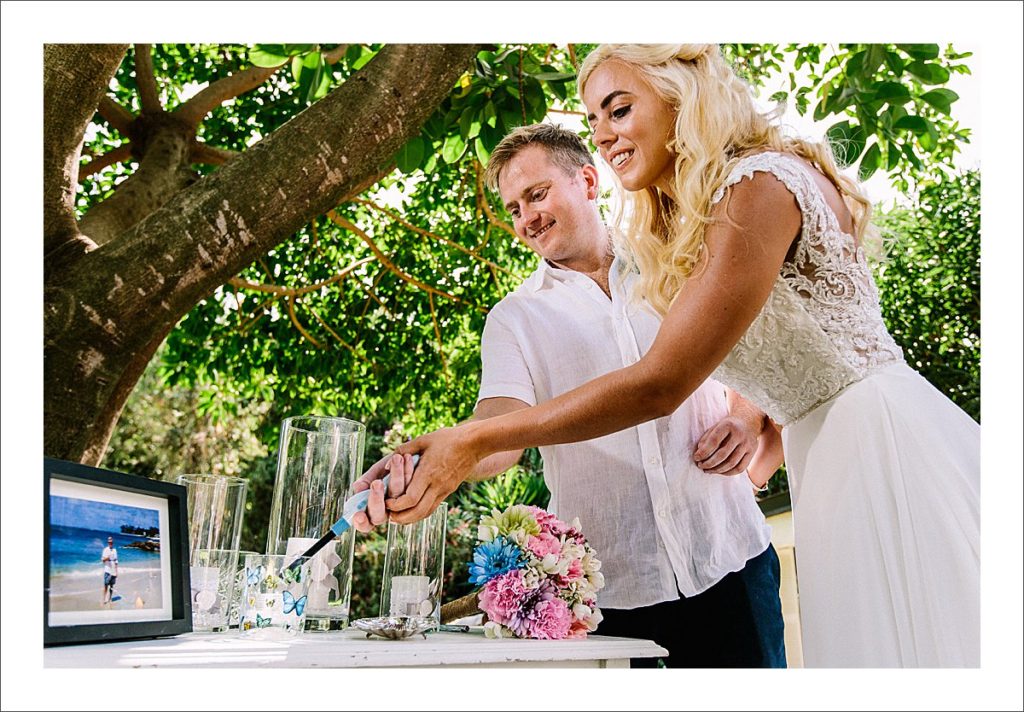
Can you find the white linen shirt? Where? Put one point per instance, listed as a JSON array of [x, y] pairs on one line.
[[659, 524]]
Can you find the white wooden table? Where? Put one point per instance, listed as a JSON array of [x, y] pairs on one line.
[[351, 649]]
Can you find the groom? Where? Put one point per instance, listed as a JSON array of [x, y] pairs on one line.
[[666, 505]]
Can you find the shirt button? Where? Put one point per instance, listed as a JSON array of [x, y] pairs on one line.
[[663, 512], [653, 460]]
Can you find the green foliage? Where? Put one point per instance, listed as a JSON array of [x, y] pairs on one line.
[[930, 286], [517, 486], [892, 116]]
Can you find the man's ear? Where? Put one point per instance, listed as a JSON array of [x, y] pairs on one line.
[[590, 180]]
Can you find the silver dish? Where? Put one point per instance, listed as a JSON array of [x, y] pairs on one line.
[[395, 627]]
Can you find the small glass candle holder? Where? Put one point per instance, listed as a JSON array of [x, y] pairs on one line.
[[414, 569], [235, 607], [274, 602]]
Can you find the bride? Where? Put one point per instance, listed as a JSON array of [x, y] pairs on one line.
[[751, 246]]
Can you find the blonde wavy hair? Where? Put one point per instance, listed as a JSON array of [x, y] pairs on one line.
[[716, 124]]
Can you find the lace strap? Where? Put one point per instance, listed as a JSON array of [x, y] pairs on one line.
[[817, 217]]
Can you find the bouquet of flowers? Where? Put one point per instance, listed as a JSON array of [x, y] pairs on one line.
[[540, 577]]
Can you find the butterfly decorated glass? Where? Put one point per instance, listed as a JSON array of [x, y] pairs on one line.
[[276, 592]]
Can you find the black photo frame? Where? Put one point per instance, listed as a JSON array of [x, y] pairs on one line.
[[82, 505]]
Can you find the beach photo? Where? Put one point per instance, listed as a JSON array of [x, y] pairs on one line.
[[108, 559]]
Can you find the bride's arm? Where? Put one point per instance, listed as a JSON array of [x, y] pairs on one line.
[[712, 312]]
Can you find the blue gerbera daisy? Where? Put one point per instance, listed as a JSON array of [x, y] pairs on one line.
[[493, 558]]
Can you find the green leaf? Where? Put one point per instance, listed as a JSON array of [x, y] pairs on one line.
[[453, 148], [892, 92], [941, 99], [411, 155], [894, 62], [915, 124], [870, 163], [469, 124], [779, 97], [554, 76], [269, 55], [874, 59], [920, 51], [929, 73], [482, 154]]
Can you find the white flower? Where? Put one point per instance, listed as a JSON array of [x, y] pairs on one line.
[[597, 579], [591, 563], [582, 611], [595, 620], [494, 630], [486, 533]]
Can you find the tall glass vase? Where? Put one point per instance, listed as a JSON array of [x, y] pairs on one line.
[[414, 569], [318, 460]]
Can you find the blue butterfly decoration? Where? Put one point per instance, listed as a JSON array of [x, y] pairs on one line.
[[254, 575], [290, 604], [262, 622]]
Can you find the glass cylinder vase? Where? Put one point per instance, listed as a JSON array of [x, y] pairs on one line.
[[216, 507], [318, 460], [414, 568]]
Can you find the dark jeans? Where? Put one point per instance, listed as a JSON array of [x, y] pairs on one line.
[[735, 623]]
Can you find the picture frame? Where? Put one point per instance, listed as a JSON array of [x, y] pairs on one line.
[[115, 556]]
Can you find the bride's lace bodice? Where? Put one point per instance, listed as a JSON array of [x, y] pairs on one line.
[[821, 328]]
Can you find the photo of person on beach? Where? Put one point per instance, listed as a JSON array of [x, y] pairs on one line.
[[106, 559], [109, 559]]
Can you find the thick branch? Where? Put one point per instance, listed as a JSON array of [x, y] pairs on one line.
[[195, 109], [98, 163], [145, 80], [116, 115], [75, 77], [383, 259], [296, 291], [106, 313], [200, 152], [426, 233]]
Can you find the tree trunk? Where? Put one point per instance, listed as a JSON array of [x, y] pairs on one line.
[[106, 311]]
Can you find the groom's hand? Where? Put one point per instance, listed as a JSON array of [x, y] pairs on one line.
[[727, 447]]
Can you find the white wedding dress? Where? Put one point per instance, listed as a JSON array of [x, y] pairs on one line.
[[883, 468]]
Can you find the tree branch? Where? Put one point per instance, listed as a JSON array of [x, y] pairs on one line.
[[437, 334], [296, 291], [98, 163], [295, 322], [75, 77], [409, 279], [116, 115], [145, 80], [481, 196], [332, 56], [426, 233], [195, 109], [201, 152], [333, 333]]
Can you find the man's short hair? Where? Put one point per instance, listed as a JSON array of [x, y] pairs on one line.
[[565, 148]]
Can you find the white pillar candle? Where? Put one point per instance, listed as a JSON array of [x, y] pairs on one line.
[[407, 592]]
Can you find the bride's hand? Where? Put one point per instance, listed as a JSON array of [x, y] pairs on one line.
[[447, 457]]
